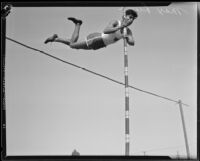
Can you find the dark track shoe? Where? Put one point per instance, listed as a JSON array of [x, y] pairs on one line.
[[51, 39], [74, 20]]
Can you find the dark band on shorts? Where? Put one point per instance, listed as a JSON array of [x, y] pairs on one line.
[[94, 41]]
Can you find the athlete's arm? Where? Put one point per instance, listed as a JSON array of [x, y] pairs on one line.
[[114, 26], [129, 37]]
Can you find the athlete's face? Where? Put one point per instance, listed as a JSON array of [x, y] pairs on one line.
[[129, 19]]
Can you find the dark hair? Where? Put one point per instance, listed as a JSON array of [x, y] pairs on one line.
[[132, 12]]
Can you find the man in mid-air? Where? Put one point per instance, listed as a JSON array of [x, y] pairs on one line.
[[111, 34]]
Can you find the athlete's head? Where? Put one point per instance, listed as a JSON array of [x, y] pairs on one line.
[[129, 16], [131, 13]]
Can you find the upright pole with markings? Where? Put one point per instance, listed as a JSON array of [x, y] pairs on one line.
[[127, 131], [184, 129]]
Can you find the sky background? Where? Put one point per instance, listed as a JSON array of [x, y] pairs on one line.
[[53, 108]]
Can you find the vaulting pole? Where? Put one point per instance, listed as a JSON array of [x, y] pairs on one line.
[[127, 131], [184, 130]]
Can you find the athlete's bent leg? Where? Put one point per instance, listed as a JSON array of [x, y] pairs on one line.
[[75, 34]]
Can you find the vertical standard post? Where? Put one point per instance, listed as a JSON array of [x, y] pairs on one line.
[[184, 129], [127, 131], [3, 110]]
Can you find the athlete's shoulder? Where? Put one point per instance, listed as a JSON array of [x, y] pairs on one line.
[[115, 23]]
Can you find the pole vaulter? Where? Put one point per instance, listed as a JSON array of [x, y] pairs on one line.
[[115, 30]]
